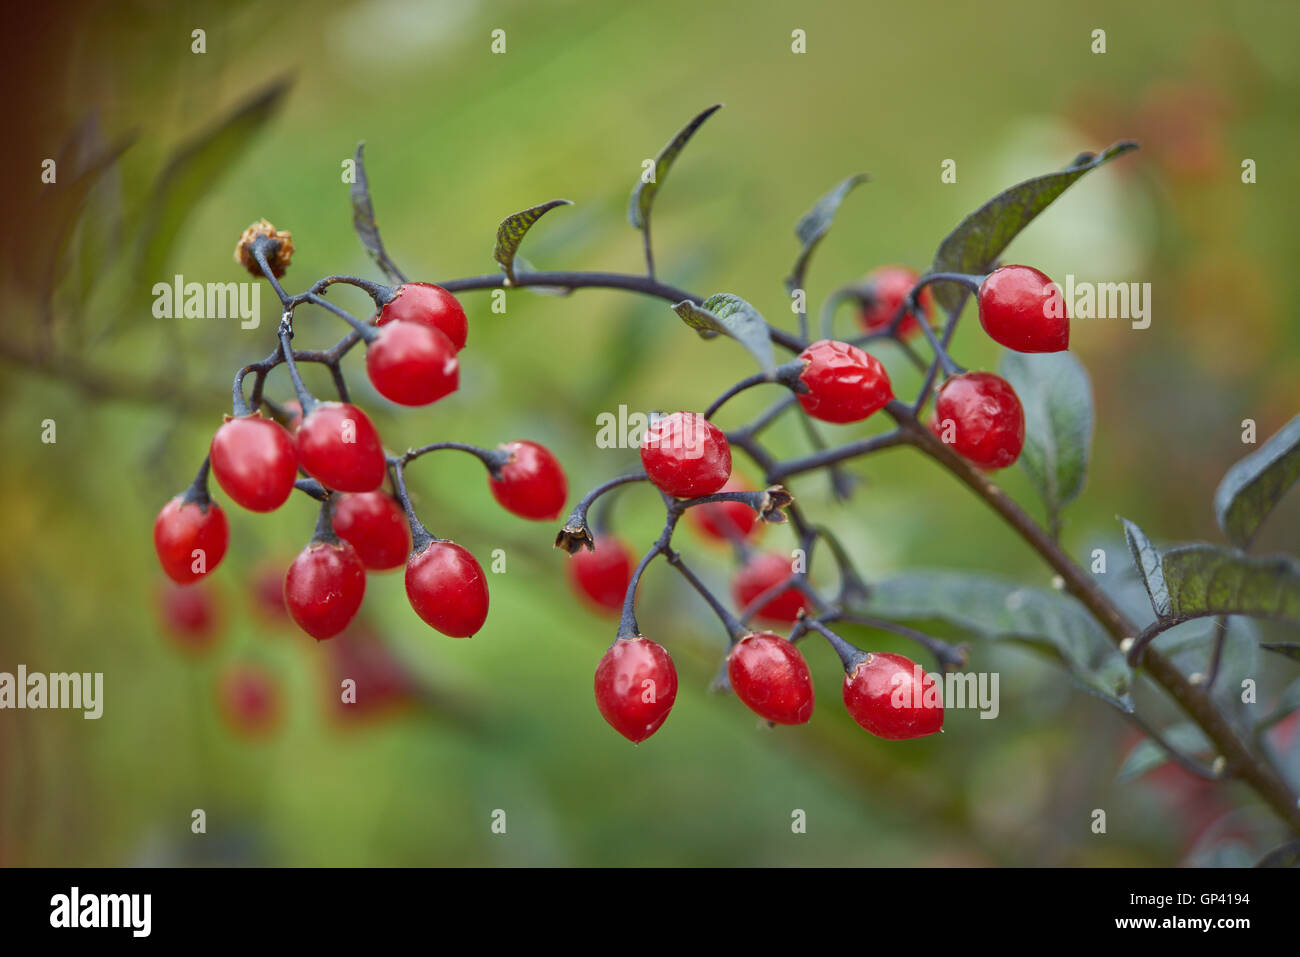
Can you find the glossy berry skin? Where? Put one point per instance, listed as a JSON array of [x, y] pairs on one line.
[[686, 455], [532, 483], [763, 571], [636, 685], [324, 587], [430, 305], [601, 576], [725, 521], [1014, 310], [883, 694], [412, 364], [249, 700], [339, 447], [987, 420], [374, 524], [190, 616], [844, 383], [770, 676], [447, 588], [183, 529], [254, 461], [885, 290]]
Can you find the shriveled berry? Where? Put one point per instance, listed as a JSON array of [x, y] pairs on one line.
[[324, 587], [375, 525], [883, 294], [190, 538], [339, 447], [447, 588], [248, 698], [686, 455], [254, 461], [636, 685], [763, 571], [725, 521], [770, 676], [1022, 309], [980, 416], [892, 697], [532, 483], [430, 305], [412, 364], [601, 576], [844, 383]]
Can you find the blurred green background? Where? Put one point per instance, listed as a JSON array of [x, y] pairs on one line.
[[457, 138]]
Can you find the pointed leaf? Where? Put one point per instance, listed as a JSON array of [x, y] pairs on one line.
[[1146, 755], [1288, 649], [1254, 485], [815, 224], [1208, 580], [1147, 560], [363, 220], [725, 314], [643, 195], [981, 237], [513, 229]]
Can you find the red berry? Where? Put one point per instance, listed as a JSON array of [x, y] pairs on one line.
[[324, 587], [602, 576], [429, 305], [339, 447], [844, 383], [190, 538], [883, 296], [636, 685], [892, 697], [763, 571], [375, 525], [725, 521], [447, 588], [532, 483], [381, 683], [254, 461], [266, 588], [1022, 309], [769, 674], [412, 364], [190, 615], [686, 455], [249, 700], [979, 415]]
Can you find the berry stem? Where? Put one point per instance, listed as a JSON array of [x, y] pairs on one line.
[[735, 630], [197, 492], [305, 398], [493, 459], [849, 655], [420, 537], [787, 375], [324, 533]]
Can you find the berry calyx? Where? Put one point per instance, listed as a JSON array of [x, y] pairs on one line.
[[429, 305], [375, 525], [339, 447], [844, 383], [249, 700], [601, 576], [883, 294], [763, 571], [190, 537], [725, 521], [686, 455], [1022, 309], [532, 483], [412, 364], [447, 588], [636, 685], [254, 462], [770, 676], [980, 416], [325, 584], [892, 697]]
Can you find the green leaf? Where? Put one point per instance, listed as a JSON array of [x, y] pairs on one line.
[[192, 171], [815, 224], [728, 315], [1147, 561], [1288, 649], [996, 610], [363, 220], [1057, 398], [638, 207], [1146, 755], [981, 237], [512, 231], [1254, 485], [1288, 703], [1209, 580]]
